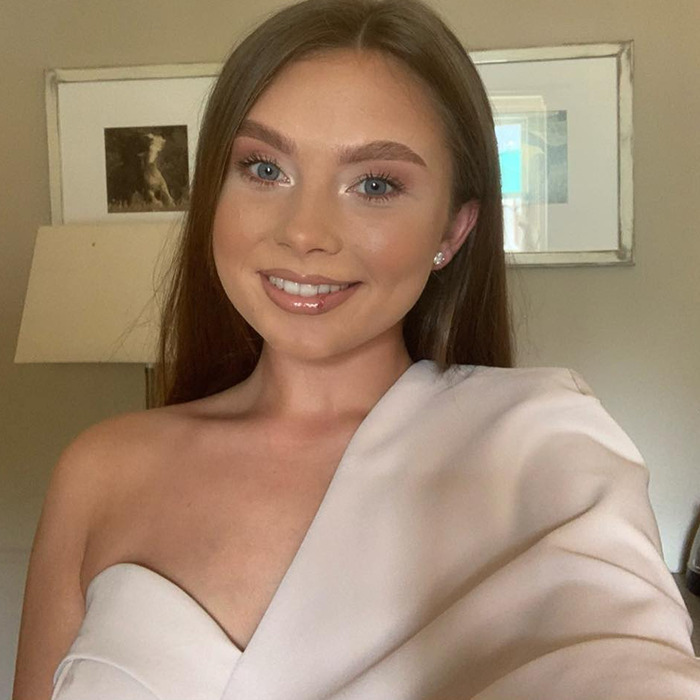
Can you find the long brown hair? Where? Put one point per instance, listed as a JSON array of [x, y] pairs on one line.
[[462, 315]]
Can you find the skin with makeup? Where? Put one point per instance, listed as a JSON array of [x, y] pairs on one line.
[[333, 208]]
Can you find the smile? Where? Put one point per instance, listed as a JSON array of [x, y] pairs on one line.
[[305, 290], [302, 298]]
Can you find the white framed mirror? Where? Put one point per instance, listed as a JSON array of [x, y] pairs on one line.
[[563, 118]]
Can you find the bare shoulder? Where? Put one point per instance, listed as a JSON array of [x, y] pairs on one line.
[[122, 433], [104, 451], [94, 467], [114, 458]]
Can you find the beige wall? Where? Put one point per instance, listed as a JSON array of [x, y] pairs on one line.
[[633, 333]]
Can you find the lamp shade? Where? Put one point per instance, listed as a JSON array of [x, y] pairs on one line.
[[92, 293]]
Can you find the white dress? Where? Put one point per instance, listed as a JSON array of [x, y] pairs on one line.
[[486, 535]]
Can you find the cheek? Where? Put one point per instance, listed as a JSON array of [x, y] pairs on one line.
[[400, 254], [232, 233], [229, 248]]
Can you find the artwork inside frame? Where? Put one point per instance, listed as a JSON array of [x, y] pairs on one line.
[[563, 120], [122, 143], [147, 168]]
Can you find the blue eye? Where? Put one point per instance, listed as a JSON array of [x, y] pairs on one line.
[[265, 173], [379, 186], [264, 170]]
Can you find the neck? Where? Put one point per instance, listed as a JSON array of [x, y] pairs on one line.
[[346, 386]]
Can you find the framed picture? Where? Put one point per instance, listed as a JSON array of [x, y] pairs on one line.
[[563, 118], [122, 141]]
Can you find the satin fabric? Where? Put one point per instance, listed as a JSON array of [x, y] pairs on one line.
[[487, 534]]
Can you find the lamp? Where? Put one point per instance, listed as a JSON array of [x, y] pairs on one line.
[[91, 294]]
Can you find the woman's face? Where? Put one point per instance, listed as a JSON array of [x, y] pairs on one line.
[[338, 176]]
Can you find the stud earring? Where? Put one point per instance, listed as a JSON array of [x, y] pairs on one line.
[[439, 258]]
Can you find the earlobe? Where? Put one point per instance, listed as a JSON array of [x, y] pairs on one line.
[[461, 226]]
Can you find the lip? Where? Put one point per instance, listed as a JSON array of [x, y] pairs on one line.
[[317, 304], [302, 279]]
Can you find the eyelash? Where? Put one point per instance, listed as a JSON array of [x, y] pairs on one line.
[[397, 186]]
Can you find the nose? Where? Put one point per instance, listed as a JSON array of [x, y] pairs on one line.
[[311, 223]]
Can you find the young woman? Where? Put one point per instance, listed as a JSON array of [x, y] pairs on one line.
[[348, 491]]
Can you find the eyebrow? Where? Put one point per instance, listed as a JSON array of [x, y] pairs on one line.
[[374, 150]]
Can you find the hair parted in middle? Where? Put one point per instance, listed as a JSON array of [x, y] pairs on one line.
[[462, 316]]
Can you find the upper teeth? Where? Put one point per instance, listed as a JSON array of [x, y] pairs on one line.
[[305, 290]]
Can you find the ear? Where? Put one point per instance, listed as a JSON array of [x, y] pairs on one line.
[[460, 227]]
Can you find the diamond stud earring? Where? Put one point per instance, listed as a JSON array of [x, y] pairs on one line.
[[439, 258]]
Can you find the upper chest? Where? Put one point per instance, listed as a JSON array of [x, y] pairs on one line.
[[222, 519]]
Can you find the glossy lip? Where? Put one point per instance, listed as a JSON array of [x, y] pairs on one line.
[[318, 304], [301, 279]]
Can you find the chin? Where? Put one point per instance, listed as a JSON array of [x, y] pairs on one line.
[[310, 350]]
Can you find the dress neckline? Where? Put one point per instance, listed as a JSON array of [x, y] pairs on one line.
[[159, 579], [426, 367]]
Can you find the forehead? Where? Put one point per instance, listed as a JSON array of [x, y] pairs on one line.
[[344, 96]]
